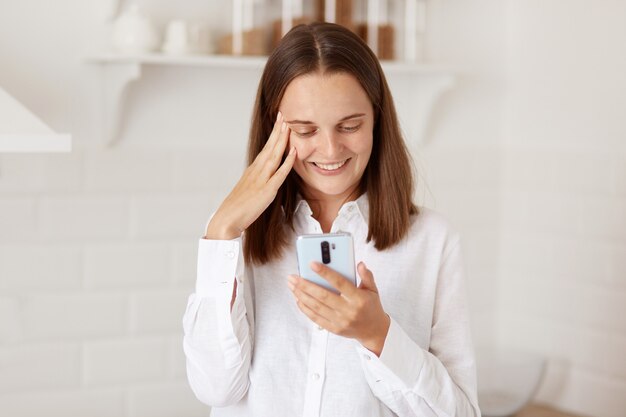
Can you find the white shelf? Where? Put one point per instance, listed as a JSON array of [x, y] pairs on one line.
[[214, 61], [230, 61], [427, 83]]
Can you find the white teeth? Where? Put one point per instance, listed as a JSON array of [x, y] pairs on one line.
[[331, 167]]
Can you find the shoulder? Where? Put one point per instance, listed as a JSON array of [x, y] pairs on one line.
[[432, 221], [433, 227]]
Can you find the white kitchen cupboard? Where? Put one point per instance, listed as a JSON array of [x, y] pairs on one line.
[[22, 131]]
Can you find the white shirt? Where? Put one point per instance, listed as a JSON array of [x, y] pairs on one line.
[[267, 359]]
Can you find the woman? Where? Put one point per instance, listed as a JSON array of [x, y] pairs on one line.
[[326, 154]]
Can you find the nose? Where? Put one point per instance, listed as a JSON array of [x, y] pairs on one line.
[[330, 145]]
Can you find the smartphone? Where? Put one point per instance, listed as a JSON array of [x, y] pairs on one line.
[[335, 250]]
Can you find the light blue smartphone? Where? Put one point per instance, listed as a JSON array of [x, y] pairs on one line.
[[334, 250]]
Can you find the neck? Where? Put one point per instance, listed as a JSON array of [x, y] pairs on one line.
[[326, 207]]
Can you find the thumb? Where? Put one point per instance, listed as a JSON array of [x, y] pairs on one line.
[[367, 278]]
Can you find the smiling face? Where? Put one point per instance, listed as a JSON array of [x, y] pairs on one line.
[[332, 122]]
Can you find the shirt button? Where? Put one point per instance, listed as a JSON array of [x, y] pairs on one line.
[[316, 376], [367, 357], [230, 254], [320, 328], [350, 209]]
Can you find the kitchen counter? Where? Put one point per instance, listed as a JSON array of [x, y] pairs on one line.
[[537, 410]]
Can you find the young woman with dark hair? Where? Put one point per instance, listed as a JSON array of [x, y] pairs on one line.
[[326, 154]]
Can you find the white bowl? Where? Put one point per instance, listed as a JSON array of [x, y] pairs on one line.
[[507, 380]]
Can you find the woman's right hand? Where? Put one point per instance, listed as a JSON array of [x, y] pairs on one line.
[[256, 188]]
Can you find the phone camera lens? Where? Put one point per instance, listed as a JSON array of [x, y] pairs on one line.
[[325, 252]]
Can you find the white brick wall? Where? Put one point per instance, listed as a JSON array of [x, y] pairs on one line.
[[562, 291], [562, 288], [127, 265], [105, 402], [74, 315], [10, 320], [83, 216], [18, 219], [94, 279], [165, 400], [124, 361], [39, 366], [32, 267]]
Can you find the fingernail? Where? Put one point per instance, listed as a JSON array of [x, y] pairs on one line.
[[291, 279], [282, 128], [292, 150], [278, 116], [315, 266]]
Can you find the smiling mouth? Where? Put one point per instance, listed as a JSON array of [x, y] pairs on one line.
[[330, 167]]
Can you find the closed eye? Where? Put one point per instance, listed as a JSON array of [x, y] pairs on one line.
[[350, 129], [305, 134]]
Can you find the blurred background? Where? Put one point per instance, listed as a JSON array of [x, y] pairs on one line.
[[514, 113]]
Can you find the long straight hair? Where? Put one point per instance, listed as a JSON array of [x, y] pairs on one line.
[[388, 178]]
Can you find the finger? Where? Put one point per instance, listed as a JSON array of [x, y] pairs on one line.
[[320, 293], [367, 278], [279, 176], [334, 278], [314, 304], [314, 317], [271, 140], [275, 155], [280, 143]]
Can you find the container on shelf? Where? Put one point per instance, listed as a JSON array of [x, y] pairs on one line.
[[133, 32]]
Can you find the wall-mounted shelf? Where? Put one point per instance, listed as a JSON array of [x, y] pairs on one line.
[[422, 85], [22, 131]]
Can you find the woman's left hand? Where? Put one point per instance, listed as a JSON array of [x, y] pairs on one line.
[[356, 312]]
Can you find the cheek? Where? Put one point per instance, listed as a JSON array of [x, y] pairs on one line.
[[362, 145], [303, 149]]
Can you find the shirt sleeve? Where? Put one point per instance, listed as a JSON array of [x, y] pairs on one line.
[[218, 341], [441, 381]]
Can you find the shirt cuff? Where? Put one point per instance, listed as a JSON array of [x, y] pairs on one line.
[[218, 262], [400, 361]]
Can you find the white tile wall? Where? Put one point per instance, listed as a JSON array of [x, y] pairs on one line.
[[562, 285], [10, 320], [94, 279], [39, 366], [102, 402], [74, 315], [126, 265], [28, 267], [83, 216], [124, 361], [18, 219], [164, 400]]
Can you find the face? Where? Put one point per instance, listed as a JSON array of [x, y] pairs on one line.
[[332, 121]]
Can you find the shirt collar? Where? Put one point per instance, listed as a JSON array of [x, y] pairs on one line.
[[361, 205]]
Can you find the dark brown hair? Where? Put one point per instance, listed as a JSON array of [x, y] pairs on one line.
[[388, 178]]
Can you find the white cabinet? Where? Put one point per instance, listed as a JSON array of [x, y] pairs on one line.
[[22, 131]]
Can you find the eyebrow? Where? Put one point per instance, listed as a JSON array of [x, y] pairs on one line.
[[307, 122]]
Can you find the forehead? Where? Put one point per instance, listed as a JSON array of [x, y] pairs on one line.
[[321, 96]]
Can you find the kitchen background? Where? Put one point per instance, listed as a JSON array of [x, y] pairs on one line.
[[525, 154]]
